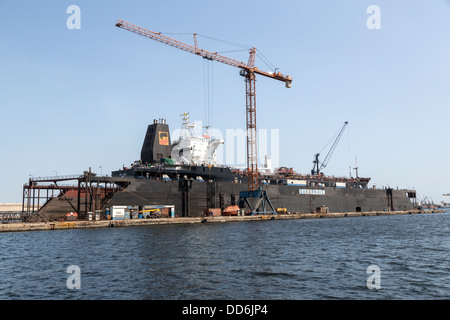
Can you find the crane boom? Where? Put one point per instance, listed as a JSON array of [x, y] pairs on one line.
[[249, 67], [248, 71]]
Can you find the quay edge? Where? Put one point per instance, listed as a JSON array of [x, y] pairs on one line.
[[66, 225]]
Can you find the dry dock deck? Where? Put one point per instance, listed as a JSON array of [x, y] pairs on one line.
[[40, 226]]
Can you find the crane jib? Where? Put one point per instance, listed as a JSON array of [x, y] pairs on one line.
[[201, 52]]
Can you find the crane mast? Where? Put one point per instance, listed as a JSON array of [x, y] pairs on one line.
[[248, 71]]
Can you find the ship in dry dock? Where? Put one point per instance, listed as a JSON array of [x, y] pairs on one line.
[[187, 174], [181, 178]]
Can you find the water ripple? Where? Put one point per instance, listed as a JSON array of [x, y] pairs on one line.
[[296, 259]]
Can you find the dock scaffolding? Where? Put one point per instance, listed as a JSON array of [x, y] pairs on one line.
[[46, 198]]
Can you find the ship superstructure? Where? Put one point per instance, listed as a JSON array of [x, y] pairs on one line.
[[194, 150]]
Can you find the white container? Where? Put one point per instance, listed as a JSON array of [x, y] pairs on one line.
[[292, 182], [118, 212]]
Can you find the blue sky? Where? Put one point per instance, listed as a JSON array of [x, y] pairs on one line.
[[74, 99]]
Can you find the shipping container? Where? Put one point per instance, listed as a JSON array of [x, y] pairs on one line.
[[291, 182], [118, 212]]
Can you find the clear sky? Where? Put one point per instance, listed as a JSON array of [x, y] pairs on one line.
[[72, 99]]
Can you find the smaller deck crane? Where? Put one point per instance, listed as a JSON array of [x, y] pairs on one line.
[[316, 169]]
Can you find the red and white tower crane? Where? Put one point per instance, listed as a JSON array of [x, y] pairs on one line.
[[248, 71]]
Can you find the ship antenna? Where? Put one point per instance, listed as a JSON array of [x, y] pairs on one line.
[[207, 130], [186, 124], [356, 167]]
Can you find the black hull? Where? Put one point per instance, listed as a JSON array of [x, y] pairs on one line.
[[191, 198]]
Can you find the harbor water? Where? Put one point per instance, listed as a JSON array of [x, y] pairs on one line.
[[381, 257]]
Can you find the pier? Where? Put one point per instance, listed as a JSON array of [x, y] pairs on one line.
[[66, 225]]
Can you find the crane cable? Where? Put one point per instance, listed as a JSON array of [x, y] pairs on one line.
[[331, 140], [208, 89], [266, 61], [208, 72]]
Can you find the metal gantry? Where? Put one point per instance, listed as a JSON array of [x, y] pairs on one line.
[[91, 192]]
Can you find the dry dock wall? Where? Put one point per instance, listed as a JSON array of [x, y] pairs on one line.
[[155, 192], [40, 226]]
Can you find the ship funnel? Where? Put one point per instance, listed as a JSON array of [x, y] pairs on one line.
[[157, 144]]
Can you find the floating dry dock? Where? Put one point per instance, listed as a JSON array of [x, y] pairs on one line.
[[40, 226]]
